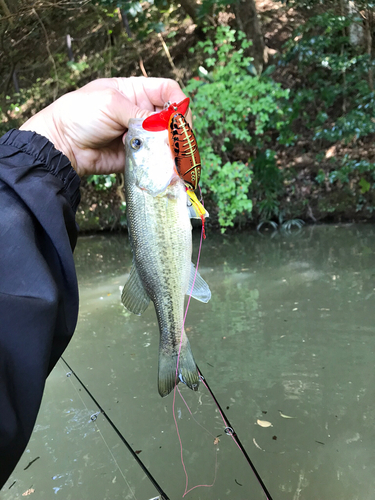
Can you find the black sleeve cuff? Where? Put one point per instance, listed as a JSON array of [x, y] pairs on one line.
[[44, 154]]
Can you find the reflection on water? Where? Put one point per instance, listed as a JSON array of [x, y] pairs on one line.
[[287, 339]]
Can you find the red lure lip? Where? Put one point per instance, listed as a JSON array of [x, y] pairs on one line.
[[159, 121]]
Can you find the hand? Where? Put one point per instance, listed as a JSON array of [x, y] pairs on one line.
[[88, 125]]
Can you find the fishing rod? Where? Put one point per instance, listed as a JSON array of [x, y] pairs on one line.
[[163, 495], [229, 430]]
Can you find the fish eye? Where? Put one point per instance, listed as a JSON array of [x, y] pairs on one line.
[[136, 143]]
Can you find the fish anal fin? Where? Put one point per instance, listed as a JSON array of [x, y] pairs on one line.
[[134, 296]]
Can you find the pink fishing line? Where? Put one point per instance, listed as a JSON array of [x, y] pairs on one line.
[[182, 460], [187, 306], [203, 485], [179, 439], [192, 416], [221, 414], [188, 303], [176, 376]]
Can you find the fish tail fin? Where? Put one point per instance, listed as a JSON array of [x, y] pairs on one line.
[[187, 370]]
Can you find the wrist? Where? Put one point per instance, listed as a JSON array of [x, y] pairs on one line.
[[44, 123]]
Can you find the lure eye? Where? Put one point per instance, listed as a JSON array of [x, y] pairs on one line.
[[136, 143]]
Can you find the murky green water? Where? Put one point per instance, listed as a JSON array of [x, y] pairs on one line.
[[289, 332]]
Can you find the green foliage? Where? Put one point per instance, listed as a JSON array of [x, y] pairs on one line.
[[241, 118], [335, 100], [364, 185], [144, 19], [231, 109], [230, 190], [77, 66], [348, 170], [358, 177], [102, 182], [355, 124], [268, 184]]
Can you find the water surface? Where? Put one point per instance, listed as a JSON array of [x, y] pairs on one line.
[[288, 333]]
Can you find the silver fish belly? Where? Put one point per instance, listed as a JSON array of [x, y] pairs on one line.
[[160, 236]]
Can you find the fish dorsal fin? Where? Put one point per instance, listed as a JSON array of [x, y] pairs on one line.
[[134, 296], [201, 290]]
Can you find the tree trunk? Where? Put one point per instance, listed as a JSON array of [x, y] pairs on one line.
[[368, 28], [248, 22]]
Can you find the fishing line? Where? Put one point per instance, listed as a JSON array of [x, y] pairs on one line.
[[228, 428], [176, 376], [163, 495], [192, 416], [188, 303], [206, 430]]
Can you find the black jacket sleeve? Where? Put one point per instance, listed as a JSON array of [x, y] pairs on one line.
[[39, 194]]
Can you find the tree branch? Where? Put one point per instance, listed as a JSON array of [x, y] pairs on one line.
[[166, 50], [7, 12]]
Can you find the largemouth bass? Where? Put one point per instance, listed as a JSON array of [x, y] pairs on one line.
[[159, 229]]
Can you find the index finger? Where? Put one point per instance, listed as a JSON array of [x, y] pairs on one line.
[[162, 90], [150, 92]]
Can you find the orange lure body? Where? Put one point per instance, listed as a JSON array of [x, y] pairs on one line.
[[185, 150]]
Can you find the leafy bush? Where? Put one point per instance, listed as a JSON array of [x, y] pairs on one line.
[[335, 100], [348, 170], [268, 183], [232, 108], [143, 18]]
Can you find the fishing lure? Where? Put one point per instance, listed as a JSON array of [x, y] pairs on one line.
[[181, 140], [160, 121], [184, 148]]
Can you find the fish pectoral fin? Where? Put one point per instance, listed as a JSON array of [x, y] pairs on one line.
[[134, 296], [201, 290]]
